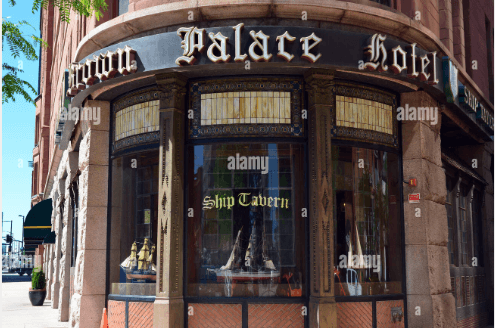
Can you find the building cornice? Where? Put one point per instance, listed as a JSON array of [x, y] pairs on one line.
[[386, 21]]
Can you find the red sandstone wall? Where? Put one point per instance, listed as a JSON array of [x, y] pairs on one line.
[[476, 48], [477, 321], [135, 5], [63, 39]]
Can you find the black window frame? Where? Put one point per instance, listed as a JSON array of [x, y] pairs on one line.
[[245, 301], [452, 224], [467, 281], [74, 202], [150, 195]]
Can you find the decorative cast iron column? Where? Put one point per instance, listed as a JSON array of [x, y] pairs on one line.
[[169, 303], [320, 88]]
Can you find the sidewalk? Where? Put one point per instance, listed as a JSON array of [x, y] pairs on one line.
[[17, 311]]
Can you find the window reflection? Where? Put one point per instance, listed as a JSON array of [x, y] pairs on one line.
[[134, 198], [366, 215], [248, 239]]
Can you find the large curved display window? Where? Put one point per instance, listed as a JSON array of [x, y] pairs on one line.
[[368, 243], [245, 230], [134, 223]]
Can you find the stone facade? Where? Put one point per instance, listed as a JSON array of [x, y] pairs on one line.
[[426, 236], [85, 162]]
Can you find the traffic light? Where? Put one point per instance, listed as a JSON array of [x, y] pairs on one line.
[[8, 239]]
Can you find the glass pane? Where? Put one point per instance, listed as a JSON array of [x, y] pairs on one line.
[[134, 217], [367, 222], [252, 239]]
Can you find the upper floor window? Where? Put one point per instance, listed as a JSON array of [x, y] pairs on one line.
[[123, 6], [383, 2], [37, 131]]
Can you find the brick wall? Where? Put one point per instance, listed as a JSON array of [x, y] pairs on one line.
[[215, 315], [275, 315], [259, 315], [477, 321], [140, 315], [116, 314], [475, 13], [354, 314], [63, 39], [384, 314]]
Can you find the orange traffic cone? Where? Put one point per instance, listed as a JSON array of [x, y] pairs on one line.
[[104, 319]]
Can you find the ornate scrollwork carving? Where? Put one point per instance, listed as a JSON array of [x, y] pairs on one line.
[[172, 88], [320, 87]]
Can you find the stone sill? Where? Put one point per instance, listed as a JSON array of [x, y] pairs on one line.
[[131, 298]]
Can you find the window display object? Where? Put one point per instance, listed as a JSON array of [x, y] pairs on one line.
[[248, 240], [140, 268]]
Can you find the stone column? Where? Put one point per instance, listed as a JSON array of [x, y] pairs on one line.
[[427, 263], [446, 28], [43, 256], [169, 303], [458, 30], [45, 262], [57, 246], [88, 300], [49, 270], [323, 309], [70, 168]]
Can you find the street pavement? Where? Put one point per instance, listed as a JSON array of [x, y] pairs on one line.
[[17, 311]]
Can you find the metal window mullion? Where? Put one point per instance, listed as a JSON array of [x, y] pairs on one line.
[[469, 223], [457, 224]]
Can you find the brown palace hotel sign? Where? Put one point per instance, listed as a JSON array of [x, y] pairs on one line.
[[194, 42], [255, 46]]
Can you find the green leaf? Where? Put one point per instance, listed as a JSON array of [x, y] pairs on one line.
[[12, 85], [20, 44]]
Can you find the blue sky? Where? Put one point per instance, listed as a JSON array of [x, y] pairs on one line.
[[18, 121]]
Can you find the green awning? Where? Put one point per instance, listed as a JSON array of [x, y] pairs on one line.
[[38, 221], [49, 239]]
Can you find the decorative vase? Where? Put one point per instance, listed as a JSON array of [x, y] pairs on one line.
[[37, 296]]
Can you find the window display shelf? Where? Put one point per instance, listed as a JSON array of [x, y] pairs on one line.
[[135, 289]]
